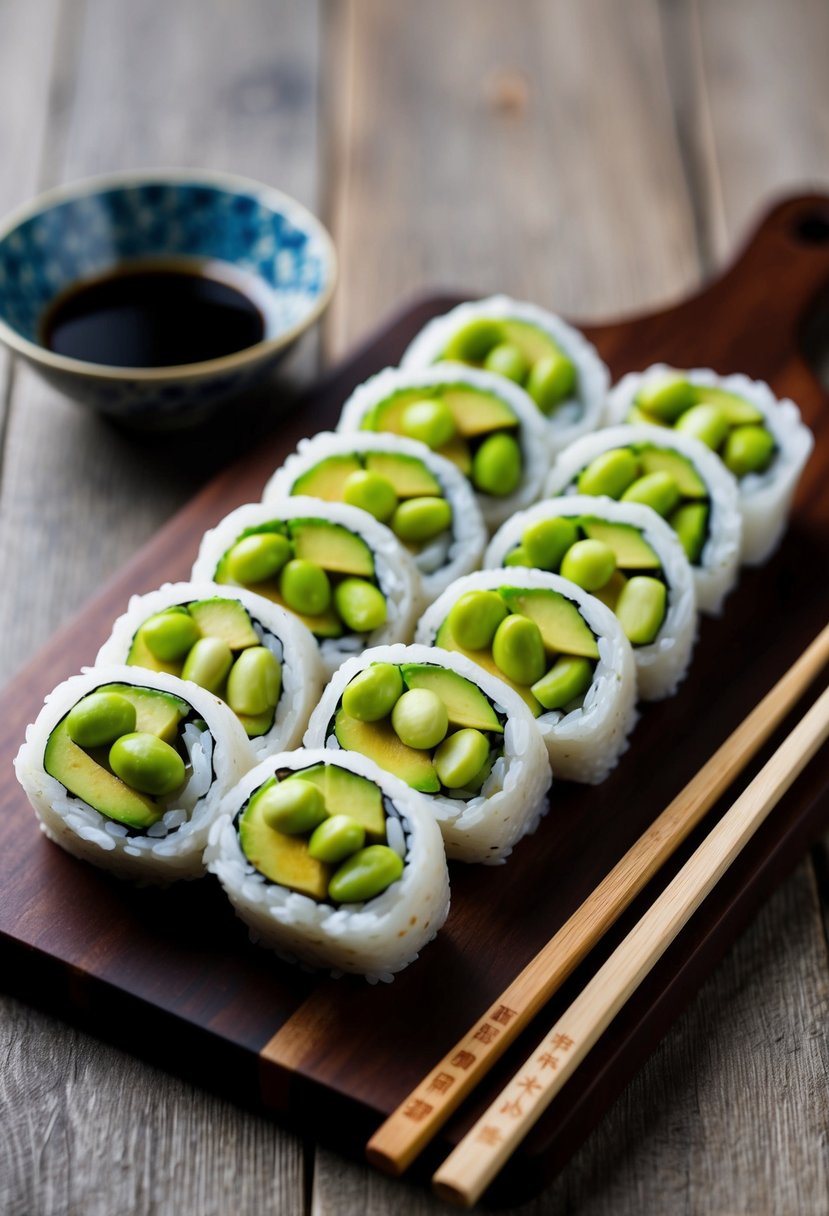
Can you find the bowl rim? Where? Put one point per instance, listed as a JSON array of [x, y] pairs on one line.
[[230, 182]]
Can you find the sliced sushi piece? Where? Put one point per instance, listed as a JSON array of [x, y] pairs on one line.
[[761, 439], [425, 500], [486, 425], [332, 861], [346, 577], [675, 475], [448, 729], [126, 768], [550, 359], [634, 564], [259, 658], [558, 648]]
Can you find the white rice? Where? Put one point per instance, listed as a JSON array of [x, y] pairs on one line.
[[662, 664], [716, 572], [765, 498], [377, 938], [395, 571], [485, 827], [173, 848], [458, 551], [576, 416], [531, 433]]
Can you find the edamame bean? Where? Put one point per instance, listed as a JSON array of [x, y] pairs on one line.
[[518, 557], [371, 492], [336, 838], [496, 466], [420, 719], [420, 519], [473, 341], [589, 563], [690, 522], [474, 617], [518, 650], [293, 806], [146, 763], [360, 604], [547, 540], [748, 449], [254, 682], [552, 379], [304, 587], [372, 694], [506, 359], [258, 557], [610, 474], [431, 421], [568, 678], [208, 663], [461, 757], [665, 395], [365, 874], [100, 718], [641, 609], [657, 490], [705, 422], [170, 634]]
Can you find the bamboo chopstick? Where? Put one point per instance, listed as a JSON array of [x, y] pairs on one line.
[[423, 1112], [471, 1166]]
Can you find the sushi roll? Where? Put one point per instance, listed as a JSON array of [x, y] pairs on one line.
[[425, 500], [760, 439], [558, 648], [256, 656], [332, 862], [634, 564], [448, 729], [679, 478], [551, 360], [486, 425], [344, 575], [126, 768]]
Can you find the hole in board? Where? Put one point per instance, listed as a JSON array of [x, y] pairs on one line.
[[813, 229], [814, 337]]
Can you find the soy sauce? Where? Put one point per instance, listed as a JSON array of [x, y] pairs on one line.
[[152, 316]]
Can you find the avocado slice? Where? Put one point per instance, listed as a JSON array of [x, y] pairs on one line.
[[85, 778], [632, 550], [157, 712], [562, 626], [610, 592], [664, 460], [477, 413], [325, 625], [350, 794], [331, 546], [737, 410], [225, 619], [484, 659], [140, 655], [408, 475], [457, 450], [378, 741], [533, 342], [281, 858], [327, 479], [465, 704]]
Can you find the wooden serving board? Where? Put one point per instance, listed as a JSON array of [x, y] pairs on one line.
[[170, 974]]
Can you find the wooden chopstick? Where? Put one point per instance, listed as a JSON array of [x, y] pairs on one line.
[[471, 1166], [423, 1112]]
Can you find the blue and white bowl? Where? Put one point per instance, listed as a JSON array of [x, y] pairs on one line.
[[87, 230]]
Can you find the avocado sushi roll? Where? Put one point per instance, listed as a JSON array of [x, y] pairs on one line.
[[126, 768], [558, 648], [256, 656], [760, 439], [675, 475], [551, 360], [448, 729], [425, 500], [486, 425], [332, 862], [346, 577], [634, 563]]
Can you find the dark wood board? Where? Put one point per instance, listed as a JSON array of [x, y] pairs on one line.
[[170, 974]]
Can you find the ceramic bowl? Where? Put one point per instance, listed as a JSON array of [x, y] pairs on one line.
[[87, 230]]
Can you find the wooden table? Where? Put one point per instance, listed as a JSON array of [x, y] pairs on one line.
[[594, 156]]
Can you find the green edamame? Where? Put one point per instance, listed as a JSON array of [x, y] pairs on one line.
[[371, 492], [552, 379], [658, 491], [568, 678], [336, 838], [690, 522], [507, 360], [518, 650], [748, 449], [496, 466], [589, 563], [705, 422], [420, 519], [431, 421], [146, 763], [100, 718], [474, 617], [518, 557], [256, 558], [666, 395], [170, 634], [293, 806], [641, 609], [610, 474], [208, 663], [304, 587], [461, 757], [254, 682], [372, 694], [473, 341], [547, 540], [365, 874], [360, 604], [420, 719]]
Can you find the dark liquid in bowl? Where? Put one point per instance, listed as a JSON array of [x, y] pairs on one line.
[[153, 317]]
